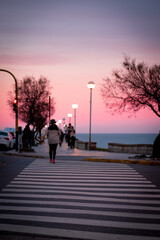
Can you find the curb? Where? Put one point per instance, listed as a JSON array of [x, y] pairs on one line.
[[143, 162], [131, 161], [24, 155]]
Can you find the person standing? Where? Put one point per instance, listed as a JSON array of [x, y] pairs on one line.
[[53, 134], [27, 137], [68, 134], [72, 138], [61, 138]]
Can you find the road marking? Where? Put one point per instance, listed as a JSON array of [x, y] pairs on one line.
[[79, 221], [77, 211], [80, 204], [128, 184], [120, 189], [83, 180], [75, 234], [79, 174], [80, 177], [58, 196], [104, 194], [86, 200]]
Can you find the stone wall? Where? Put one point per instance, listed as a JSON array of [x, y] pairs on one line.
[[85, 145], [131, 148]]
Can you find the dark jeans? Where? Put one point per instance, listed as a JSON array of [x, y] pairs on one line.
[[52, 150], [72, 142]]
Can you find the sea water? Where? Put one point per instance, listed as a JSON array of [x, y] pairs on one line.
[[103, 139]]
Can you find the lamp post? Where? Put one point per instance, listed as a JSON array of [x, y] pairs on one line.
[[63, 123], [75, 106], [16, 110], [49, 109], [69, 115], [90, 85]]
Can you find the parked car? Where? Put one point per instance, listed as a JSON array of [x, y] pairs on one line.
[[6, 139]]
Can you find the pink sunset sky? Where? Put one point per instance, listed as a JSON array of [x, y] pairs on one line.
[[72, 42]]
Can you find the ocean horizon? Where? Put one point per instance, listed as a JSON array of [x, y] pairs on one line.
[[103, 139]]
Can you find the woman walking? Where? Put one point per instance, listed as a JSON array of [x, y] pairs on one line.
[[53, 134]]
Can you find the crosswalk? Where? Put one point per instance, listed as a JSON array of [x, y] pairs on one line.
[[81, 200]]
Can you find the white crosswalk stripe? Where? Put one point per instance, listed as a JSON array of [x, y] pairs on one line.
[[83, 200]]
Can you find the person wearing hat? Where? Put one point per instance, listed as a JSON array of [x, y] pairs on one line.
[[53, 134]]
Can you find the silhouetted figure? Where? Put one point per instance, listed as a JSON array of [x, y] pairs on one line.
[[72, 138], [61, 138], [27, 135], [156, 147], [68, 134], [20, 134]]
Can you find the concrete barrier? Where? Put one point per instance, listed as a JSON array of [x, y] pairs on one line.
[[91, 146], [146, 149], [85, 145]]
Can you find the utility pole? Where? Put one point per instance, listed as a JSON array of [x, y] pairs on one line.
[[16, 110]]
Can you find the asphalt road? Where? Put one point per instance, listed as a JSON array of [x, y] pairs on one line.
[[78, 200], [10, 167]]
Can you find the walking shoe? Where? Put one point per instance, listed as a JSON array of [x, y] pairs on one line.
[[50, 160], [53, 161]]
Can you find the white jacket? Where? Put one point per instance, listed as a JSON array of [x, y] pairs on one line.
[[53, 134]]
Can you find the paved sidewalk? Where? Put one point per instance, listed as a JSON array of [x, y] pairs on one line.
[[42, 151]]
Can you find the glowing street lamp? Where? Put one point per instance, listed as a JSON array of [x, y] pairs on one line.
[[69, 115], [90, 85], [75, 106]]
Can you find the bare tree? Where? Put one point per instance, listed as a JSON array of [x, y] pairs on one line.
[[134, 87], [33, 101]]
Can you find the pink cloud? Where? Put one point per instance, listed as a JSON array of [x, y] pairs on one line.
[[32, 59]]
